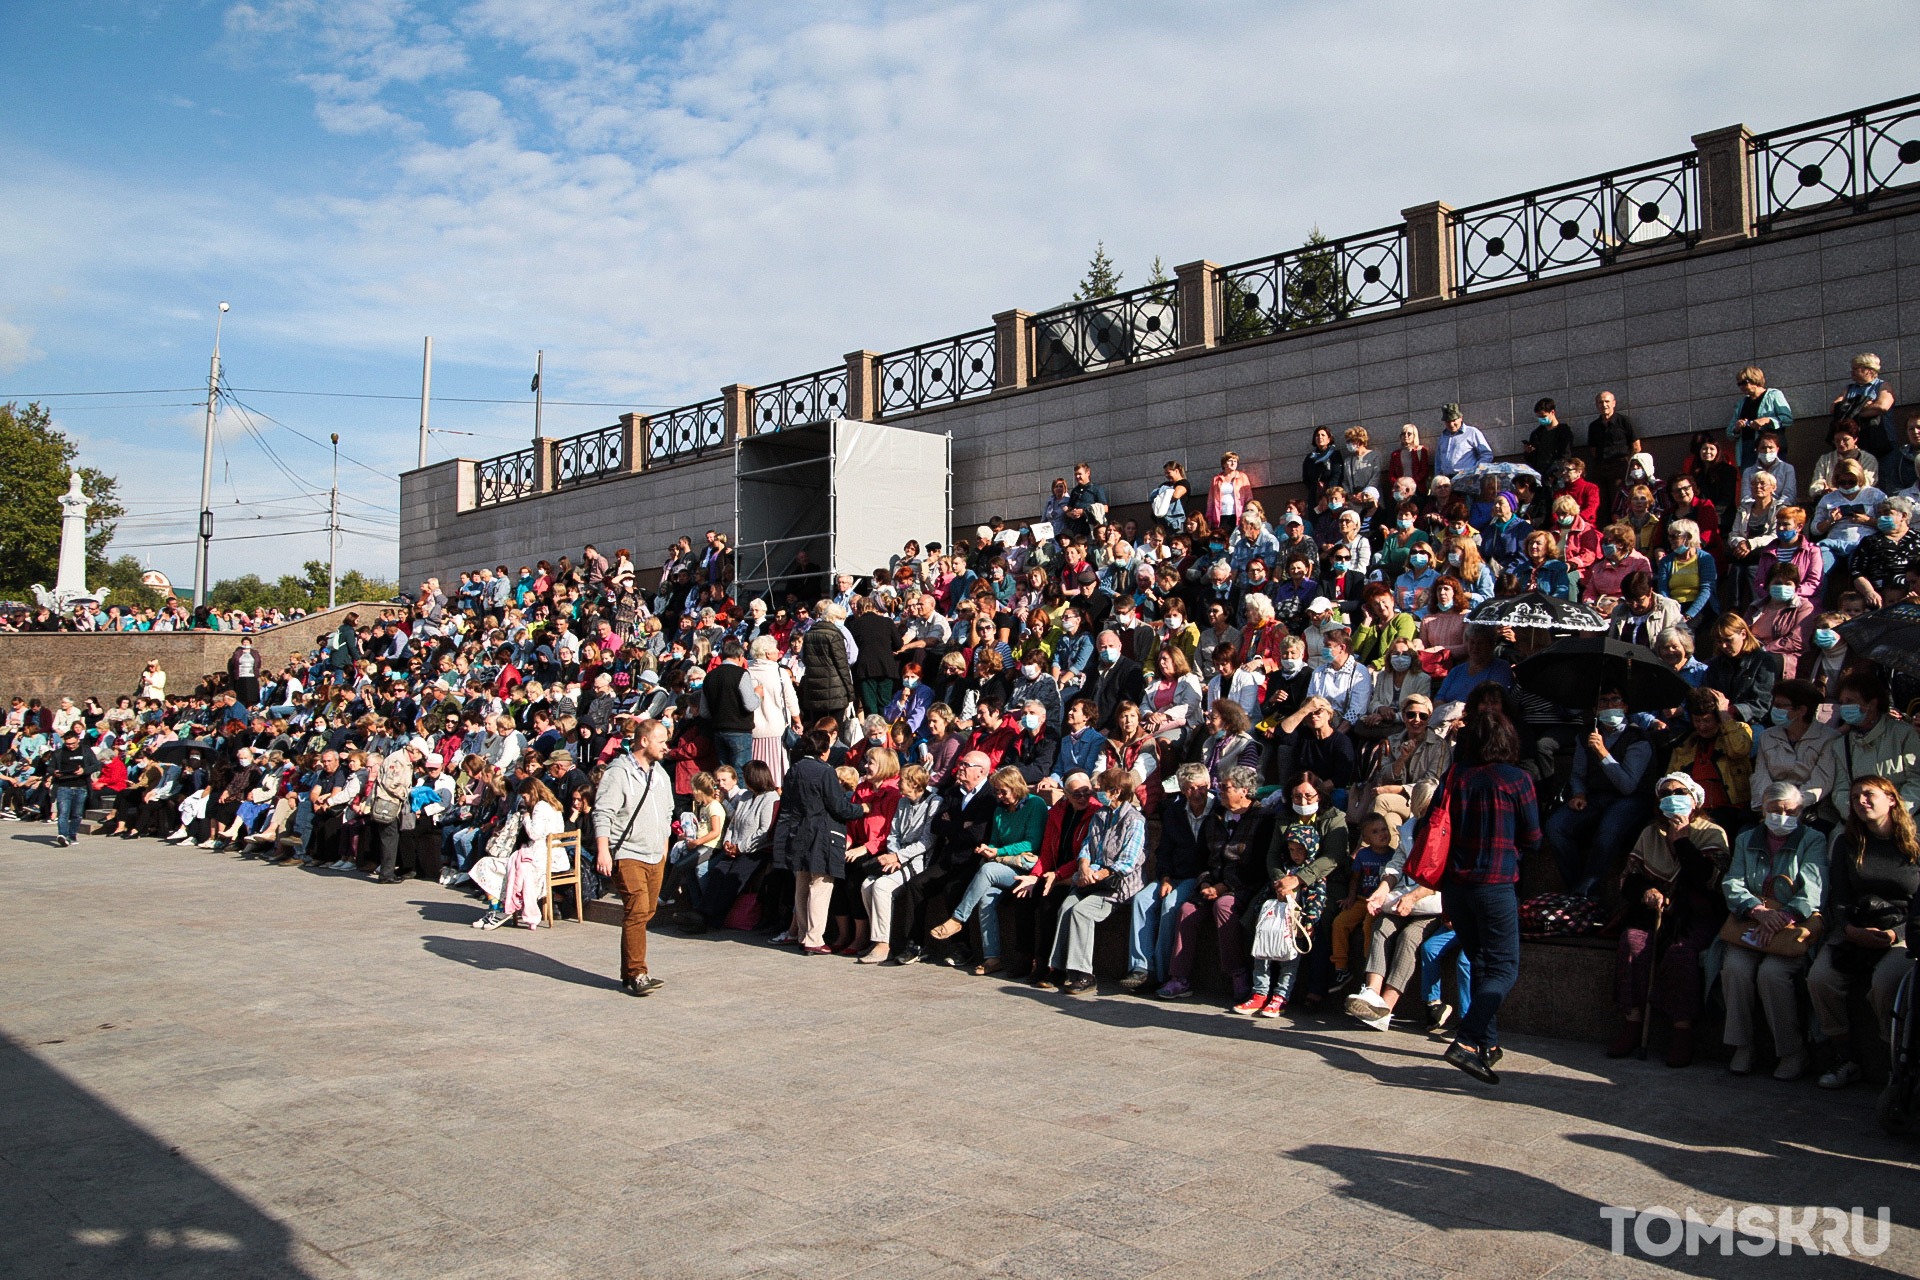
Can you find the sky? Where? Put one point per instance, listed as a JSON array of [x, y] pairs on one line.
[[670, 197]]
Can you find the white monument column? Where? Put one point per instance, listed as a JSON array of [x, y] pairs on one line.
[[72, 579]]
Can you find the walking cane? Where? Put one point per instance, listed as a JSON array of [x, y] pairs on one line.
[[1653, 970]]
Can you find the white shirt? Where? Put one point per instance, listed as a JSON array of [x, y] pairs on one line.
[[1348, 688]]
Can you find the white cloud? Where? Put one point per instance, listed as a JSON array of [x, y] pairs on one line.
[[669, 197], [16, 346]]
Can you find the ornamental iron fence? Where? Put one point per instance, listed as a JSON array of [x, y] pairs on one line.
[[799, 402], [936, 373], [1102, 333], [687, 432], [506, 478], [1577, 225], [1846, 161], [1320, 281], [589, 456]]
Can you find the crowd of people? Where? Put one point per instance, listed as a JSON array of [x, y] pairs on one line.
[[1216, 722]]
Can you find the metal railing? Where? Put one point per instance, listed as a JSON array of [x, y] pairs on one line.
[[1318, 282], [589, 456], [1846, 160], [799, 402], [1577, 225], [1126, 328], [504, 479], [686, 432], [936, 373]]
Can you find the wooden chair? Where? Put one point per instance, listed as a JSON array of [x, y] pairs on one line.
[[557, 880]]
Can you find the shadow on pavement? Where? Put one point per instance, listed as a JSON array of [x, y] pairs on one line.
[[91, 1193], [1465, 1195], [481, 953]]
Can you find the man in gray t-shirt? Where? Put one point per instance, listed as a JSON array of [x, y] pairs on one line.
[[632, 824]]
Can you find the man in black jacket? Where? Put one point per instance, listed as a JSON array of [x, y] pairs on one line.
[[1036, 747], [728, 701], [876, 674], [959, 828], [68, 774], [1112, 678]]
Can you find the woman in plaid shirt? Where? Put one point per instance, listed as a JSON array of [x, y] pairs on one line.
[[1495, 817]]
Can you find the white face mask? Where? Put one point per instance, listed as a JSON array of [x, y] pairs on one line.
[[1306, 810], [1783, 824], [1031, 671]]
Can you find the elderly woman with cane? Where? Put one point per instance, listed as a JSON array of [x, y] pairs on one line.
[[1671, 890]]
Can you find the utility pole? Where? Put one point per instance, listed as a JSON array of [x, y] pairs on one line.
[[333, 520], [539, 363], [426, 394], [205, 545]]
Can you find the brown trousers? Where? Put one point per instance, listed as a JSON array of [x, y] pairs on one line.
[[638, 884]]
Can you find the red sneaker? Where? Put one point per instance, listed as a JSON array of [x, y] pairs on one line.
[[1252, 1004]]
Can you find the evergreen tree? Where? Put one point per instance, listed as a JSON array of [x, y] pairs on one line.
[[1315, 291], [1102, 279]]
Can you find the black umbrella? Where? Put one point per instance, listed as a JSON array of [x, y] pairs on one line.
[[1533, 609], [176, 750], [1890, 637], [1571, 672]]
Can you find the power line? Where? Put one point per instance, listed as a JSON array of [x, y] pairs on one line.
[[228, 395], [340, 395]]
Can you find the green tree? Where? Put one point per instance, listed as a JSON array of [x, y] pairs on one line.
[[120, 578], [1315, 290], [35, 459], [307, 590], [1102, 279]]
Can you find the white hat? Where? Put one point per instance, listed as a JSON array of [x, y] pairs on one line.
[[417, 743], [1320, 604], [435, 760]]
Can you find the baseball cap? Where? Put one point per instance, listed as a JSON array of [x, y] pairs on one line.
[[1320, 604]]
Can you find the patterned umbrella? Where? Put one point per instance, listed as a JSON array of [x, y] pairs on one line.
[[1533, 609], [1891, 637], [1569, 673], [1502, 471]]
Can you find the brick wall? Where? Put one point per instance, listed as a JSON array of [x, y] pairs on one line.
[[106, 665]]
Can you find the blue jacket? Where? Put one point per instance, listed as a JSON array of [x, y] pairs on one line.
[[1709, 581], [1773, 404]]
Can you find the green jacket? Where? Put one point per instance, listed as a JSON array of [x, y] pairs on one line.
[[1016, 833]]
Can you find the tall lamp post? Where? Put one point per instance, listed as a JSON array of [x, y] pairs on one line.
[[205, 546]]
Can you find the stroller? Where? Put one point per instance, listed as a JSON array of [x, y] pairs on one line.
[[1900, 1100]]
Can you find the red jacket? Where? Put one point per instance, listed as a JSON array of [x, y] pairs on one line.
[[1060, 846]]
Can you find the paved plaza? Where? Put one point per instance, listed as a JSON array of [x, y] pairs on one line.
[[216, 1068]]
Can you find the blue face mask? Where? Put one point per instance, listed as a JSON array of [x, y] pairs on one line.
[[1781, 591], [1852, 713], [1031, 722], [1544, 421], [1884, 524], [1825, 637], [1779, 715], [1676, 806], [1111, 655], [1787, 537], [1610, 719], [1418, 562]]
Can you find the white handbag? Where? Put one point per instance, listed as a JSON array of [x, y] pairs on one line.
[[1279, 935]]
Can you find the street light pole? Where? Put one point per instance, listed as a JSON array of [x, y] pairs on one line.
[[333, 520], [205, 545]]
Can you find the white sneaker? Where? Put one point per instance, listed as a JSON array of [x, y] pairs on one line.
[[457, 881], [446, 879], [207, 844], [1366, 1003], [177, 836], [1741, 1064], [1379, 1022]]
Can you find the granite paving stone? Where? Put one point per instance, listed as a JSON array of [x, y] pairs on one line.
[[221, 1069]]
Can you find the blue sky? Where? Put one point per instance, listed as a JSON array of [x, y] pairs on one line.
[[669, 197]]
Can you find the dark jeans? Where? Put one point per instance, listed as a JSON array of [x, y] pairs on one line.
[[726, 880], [325, 844], [735, 749], [1588, 843], [70, 803], [1486, 918], [946, 881]]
